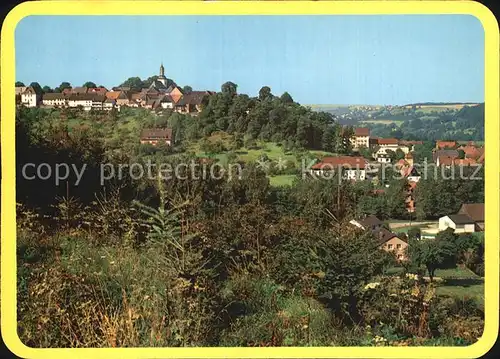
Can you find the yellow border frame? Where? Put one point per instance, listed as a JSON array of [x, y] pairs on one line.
[[8, 227]]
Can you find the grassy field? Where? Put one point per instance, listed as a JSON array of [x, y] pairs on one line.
[[461, 283], [458, 272], [463, 289], [272, 150]]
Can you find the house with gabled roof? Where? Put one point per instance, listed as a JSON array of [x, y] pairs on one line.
[[385, 239], [369, 223], [444, 154], [191, 103], [391, 242], [166, 102], [19, 91], [475, 211], [155, 136], [460, 223], [176, 94], [31, 97]]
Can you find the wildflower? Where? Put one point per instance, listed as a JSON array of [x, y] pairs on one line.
[[412, 276], [372, 285]]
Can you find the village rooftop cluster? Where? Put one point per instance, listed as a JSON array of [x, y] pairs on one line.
[[163, 93]]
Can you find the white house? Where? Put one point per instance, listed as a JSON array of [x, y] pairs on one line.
[[30, 97], [353, 168], [54, 100], [361, 137], [390, 144], [461, 223], [167, 102], [383, 158], [98, 101], [84, 100]]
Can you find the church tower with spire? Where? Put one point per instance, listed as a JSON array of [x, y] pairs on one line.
[[162, 77]]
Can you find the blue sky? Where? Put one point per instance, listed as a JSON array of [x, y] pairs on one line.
[[394, 59]]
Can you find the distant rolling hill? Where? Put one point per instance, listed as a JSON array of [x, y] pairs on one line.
[[441, 105]]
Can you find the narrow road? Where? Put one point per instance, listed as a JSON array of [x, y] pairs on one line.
[[412, 223]]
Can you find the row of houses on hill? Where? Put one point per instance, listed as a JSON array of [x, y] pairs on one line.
[[161, 94]]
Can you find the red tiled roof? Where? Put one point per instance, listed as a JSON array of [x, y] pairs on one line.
[[98, 90], [406, 143], [444, 144], [448, 161], [362, 131], [472, 151], [112, 95], [344, 161], [388, 141]]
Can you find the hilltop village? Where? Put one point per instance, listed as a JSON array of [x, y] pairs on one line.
[[163, 93]]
